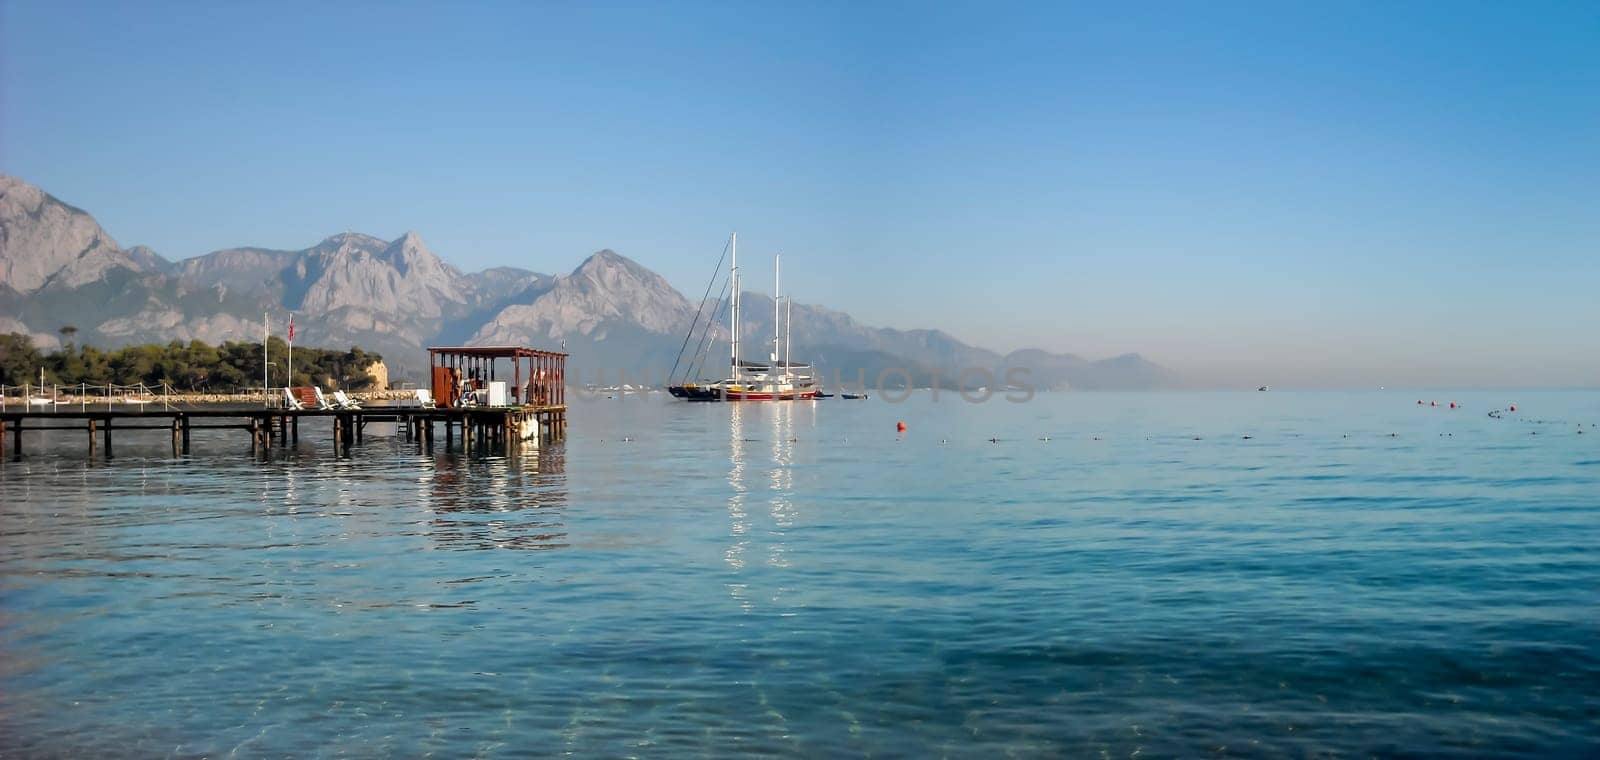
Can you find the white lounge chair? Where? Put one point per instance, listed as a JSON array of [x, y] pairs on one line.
[[290, 402], [322, 400], [344, 401], [425, 398]]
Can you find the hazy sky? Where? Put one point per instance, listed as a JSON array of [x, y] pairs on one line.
[[1353, 194]]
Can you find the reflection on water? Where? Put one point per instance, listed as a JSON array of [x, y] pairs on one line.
[[776, 460], [1117, 575], [782, 480], [511, 502], [738, 520]]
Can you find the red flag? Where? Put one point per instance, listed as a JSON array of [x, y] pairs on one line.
[[291, 327]]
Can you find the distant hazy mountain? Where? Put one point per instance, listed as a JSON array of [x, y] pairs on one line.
[[58, 267]]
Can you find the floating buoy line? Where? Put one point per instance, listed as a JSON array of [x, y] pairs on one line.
[[1498, 414]]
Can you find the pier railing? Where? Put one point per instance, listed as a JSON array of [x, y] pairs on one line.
[[30, 397], [96, 396]]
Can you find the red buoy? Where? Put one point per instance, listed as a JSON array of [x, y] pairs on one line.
[[1513, 407], [900, 426], [1452, 405], [1419, 402], [1433, 403]]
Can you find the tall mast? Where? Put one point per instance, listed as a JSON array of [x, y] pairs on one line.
[[788, 317], [265, 336], [776, 289], [733, 274]]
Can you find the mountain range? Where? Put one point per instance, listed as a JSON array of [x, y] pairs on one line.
[[59, 267]]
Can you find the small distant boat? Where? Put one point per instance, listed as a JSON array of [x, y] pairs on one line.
[[42, 400], [856, 396], [1263, 389]]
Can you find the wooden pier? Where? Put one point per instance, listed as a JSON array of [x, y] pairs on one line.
[[480, 429], [471, 396]]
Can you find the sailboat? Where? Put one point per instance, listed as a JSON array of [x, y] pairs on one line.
[[41, 399], [777, 379]]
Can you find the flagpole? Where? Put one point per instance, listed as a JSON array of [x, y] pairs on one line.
[[290, 381], [265, 399]]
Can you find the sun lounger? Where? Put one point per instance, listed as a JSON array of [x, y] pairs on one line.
[[306, 395], [322, 400], [344, 401], [425, 398], [289, 401]]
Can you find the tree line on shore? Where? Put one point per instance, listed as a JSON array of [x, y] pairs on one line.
[[195, 366]]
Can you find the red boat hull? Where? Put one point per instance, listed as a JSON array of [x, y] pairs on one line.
[[805, 395]]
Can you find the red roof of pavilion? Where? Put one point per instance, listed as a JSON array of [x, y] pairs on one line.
[[494, 352]]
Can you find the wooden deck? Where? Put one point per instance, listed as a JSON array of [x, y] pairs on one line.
[[481, 429]]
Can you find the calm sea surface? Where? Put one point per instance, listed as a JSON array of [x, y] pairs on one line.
[[1358, 576]]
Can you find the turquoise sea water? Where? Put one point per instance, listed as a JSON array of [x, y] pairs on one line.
[[1360, 576]]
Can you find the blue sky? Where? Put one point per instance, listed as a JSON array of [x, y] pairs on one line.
[[1344, 194]]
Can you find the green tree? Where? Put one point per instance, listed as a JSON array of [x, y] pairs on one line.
[[19, 359], [192, 366]]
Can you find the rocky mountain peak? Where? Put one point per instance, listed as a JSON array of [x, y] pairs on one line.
[[607, 288], [408, 253], [363, 272], [44, 241], [148, 259], [350, 244], [609, 269]]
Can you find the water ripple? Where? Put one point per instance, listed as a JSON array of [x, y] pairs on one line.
[[1358, 577]]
